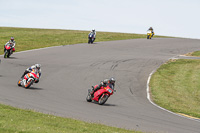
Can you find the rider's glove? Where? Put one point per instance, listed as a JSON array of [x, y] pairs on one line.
[[101, 83]]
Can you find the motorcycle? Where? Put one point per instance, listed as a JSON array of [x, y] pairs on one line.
[[149, 34], [8, 51], [90, 38], [29, 79], [101, 95]]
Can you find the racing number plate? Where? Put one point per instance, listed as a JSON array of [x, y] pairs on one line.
[[110, 90]]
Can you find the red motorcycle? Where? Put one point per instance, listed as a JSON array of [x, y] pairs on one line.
[[29, 79], [101, 95], [8, 51]]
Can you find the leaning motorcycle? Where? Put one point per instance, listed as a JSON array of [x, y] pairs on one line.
[[101, 95], [149, 34], [29, 79], [8, 51], [90, 38]]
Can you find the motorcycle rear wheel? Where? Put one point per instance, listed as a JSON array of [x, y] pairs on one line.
[[19, 83], [103, 99], [89, 97]]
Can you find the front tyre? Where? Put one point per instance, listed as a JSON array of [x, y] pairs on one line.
[[5, 54], [103, 99], [28, 84], [147, 36], [8, 55]]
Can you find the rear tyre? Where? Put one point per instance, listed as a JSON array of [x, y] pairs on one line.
[[89, 97], [19, 83], [103, 99]]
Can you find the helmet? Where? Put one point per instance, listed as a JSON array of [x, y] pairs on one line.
[[112, 80], [37, 66], [12, 38], [93, 30]]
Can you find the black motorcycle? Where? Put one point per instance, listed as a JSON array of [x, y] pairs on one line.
[[90, 38]]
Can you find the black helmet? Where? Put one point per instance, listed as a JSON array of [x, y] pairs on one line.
[[112, 80]]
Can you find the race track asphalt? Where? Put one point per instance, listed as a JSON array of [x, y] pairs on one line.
[[69, 71]]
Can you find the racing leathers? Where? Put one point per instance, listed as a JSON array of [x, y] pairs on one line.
[[32, 69], [151, 29], [94, 34]]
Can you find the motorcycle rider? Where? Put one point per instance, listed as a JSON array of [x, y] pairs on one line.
[[93, 32], [151, 29], [34, 68], [104, 83], [11, 42]]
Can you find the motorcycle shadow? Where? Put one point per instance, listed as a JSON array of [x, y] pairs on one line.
[[12, 58], [34, 88], [92, 43], [105, 104]]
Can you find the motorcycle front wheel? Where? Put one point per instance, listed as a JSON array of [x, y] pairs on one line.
[[103, 99], [5, 54], [28, 84]]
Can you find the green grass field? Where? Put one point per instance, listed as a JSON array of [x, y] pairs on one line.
[[13, 120], [176, 86]]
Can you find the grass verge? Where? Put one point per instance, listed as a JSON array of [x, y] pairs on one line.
[[15, 120], [27, 38], [196, 53], [176, 86]]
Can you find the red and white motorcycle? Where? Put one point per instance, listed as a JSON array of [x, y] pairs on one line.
[[29, 79]]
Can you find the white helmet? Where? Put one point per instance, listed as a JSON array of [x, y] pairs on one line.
[[37, 66], [93, 30]]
